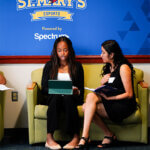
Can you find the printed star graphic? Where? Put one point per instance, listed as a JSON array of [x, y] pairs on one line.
[[52, 1]]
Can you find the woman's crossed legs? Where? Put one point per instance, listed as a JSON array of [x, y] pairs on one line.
[[94, 111]]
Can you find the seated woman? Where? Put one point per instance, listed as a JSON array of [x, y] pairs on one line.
[[2, 79], [118, 73], [63, 67]]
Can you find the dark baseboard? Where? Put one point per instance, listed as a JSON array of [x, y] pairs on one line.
[[16, 132]]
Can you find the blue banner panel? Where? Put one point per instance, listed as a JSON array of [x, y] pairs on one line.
[[30, 27]]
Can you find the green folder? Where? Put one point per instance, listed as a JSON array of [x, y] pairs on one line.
[[60, 87]]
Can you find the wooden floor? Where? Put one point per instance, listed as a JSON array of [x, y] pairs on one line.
[[18, 140]]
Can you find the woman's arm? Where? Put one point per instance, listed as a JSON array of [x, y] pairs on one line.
[[80, 82], [125, 73], [45, 78], [2, 79]]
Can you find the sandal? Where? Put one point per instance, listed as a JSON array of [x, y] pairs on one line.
[[83, 146], [112, 139]]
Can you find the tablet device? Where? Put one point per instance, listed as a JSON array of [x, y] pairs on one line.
[[60, 87]]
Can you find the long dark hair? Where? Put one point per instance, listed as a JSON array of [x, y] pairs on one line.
[[55, 59], [111, 46]]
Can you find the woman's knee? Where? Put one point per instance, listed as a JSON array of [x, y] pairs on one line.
[[91, 97]]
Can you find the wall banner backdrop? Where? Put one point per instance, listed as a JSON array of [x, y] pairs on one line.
[[30, 27]]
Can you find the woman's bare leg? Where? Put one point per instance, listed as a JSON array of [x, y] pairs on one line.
[[89, 112], [92, 111], [97, 119]]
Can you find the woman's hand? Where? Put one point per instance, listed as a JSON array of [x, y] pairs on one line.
[[105, 78], [106, 97], [76, 91], [2, 79]]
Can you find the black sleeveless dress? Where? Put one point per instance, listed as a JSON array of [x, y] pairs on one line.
[[117, 110]]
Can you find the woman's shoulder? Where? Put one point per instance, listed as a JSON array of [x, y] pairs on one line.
[[124, 68], [48, 64], [78, 64]]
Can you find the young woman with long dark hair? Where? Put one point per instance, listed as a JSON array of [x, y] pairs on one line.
[[63, 67], [118, 73]]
